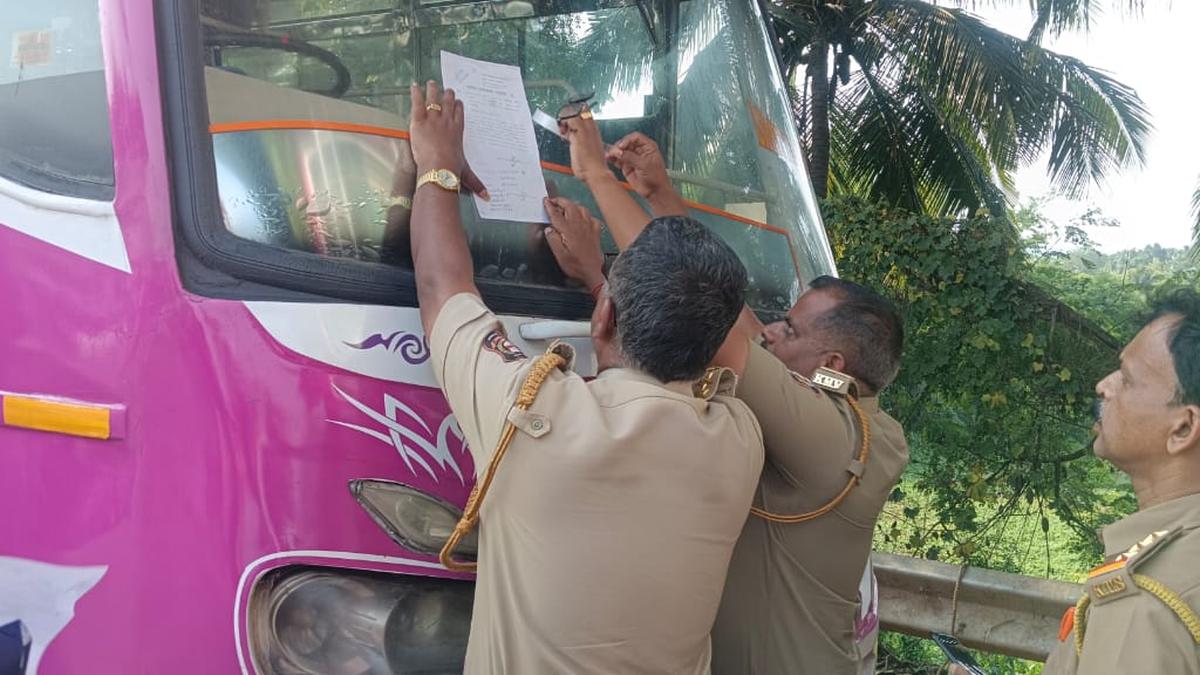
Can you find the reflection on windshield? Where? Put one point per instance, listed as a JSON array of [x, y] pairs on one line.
[[301, 169]]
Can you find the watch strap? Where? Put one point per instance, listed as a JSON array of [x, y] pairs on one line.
[[433, 176]]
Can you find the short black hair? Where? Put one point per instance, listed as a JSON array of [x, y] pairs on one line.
[[866, 328], [1183, 340], [677, 289]]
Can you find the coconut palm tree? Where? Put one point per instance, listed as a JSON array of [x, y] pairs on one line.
[[932, 109]]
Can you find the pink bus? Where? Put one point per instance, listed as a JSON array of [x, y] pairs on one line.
[[222, 449]]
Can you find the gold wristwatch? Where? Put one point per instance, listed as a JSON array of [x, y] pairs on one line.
[[443, 178]]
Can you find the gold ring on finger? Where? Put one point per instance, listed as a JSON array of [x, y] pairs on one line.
[[436, 107], [586, 115]]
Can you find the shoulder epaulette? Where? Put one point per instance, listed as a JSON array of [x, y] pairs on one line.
[[717, 381], [1117, 579], [1114, 579]]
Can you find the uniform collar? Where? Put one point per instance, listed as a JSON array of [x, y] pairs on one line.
[[1180, 512], [869, 404], [631, 375]]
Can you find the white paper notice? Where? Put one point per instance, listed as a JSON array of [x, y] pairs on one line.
[[498, 140]]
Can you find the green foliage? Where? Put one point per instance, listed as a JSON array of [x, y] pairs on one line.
[[1114, 291], [1006, 337], [1024, 540], [996, 389]]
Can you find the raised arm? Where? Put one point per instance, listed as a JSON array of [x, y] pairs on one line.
[[640, 160], [622, 213], [642, 164], [441, 259]]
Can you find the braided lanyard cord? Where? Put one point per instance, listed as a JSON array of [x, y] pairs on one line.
[[538, 373], [863, 453], [1171, 599], [1152, 586], [1081, 609]]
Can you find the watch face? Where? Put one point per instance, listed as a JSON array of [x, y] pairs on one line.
[[447, 178]]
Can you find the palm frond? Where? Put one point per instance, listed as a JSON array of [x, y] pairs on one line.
[[964, 68], [708, 49], [1196, 224], [1022, 98], [1060, 16], [869, 136], [891, 141], [983, 181], [1100, 124], [612, 40]]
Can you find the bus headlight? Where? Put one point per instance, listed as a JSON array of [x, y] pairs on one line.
[[313, 621], [417, 521]]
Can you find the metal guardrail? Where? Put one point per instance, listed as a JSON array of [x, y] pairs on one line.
[[987, 610]]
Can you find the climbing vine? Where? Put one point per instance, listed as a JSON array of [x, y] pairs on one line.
[[996, 386]]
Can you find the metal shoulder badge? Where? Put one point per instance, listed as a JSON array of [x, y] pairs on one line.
[[1115, 580], [832, 380]]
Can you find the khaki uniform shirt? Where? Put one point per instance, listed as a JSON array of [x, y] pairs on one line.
[[1128, 629], [792, 595], [607, 532]]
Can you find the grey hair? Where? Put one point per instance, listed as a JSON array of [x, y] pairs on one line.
[[677, 290]]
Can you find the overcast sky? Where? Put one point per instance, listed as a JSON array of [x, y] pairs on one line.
[[1156, 54]]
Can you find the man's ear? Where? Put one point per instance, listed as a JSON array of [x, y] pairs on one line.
[[1185, 431], [604, 319], [834, 361]]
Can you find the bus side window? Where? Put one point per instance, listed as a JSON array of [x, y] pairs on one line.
[[55, 133]]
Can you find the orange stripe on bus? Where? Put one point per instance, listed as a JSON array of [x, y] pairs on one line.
[[741, 219], [559, 168], [268, 125]]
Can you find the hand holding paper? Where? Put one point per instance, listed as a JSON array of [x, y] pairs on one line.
[[436, 135]]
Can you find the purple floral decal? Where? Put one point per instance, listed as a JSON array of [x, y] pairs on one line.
[[411, 347]]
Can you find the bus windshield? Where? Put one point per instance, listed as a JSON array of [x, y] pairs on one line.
[[308, 105]]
